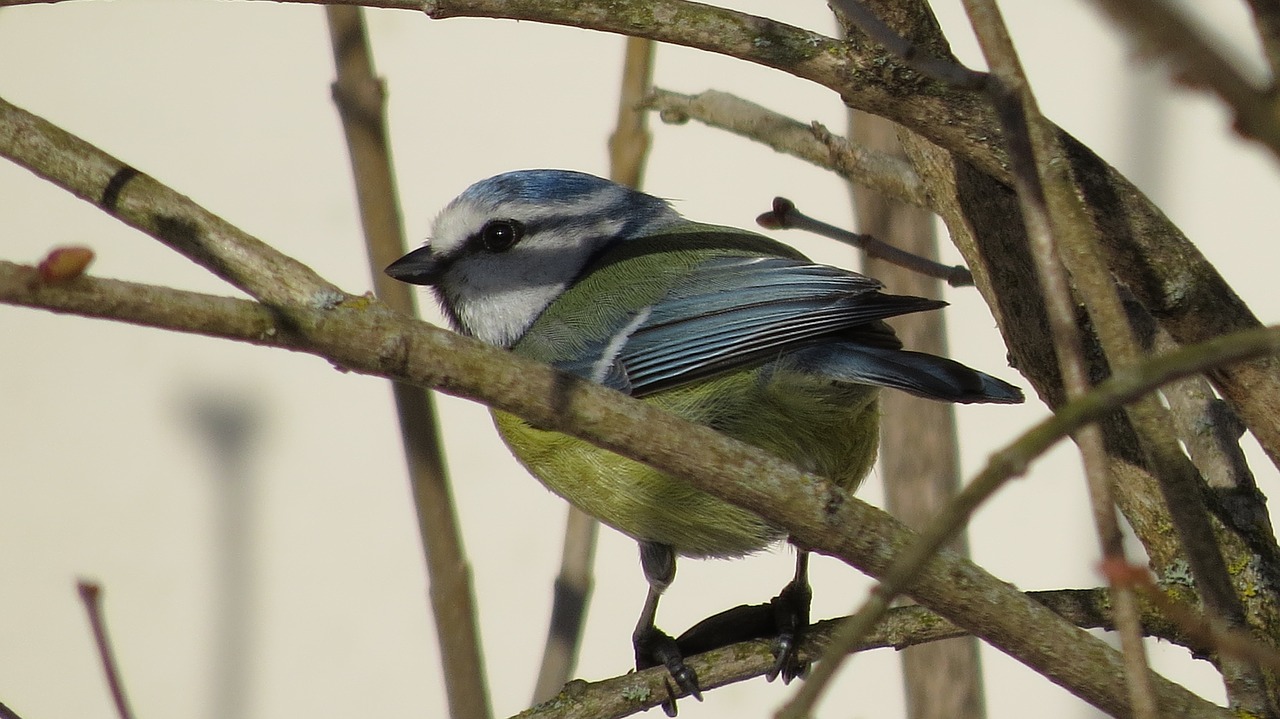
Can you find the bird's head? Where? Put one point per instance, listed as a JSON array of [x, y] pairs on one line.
[[508, 246]]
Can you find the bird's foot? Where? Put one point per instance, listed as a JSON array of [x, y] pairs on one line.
[[783, 620], [655, 647], [791, 619]]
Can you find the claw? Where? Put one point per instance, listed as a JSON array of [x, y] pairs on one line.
[[787, 662], [791, 617], [669, 706], [655, 647]]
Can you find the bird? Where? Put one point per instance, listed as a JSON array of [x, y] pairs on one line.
[[720, 326]]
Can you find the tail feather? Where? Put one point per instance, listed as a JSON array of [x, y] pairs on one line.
[[917, 373]]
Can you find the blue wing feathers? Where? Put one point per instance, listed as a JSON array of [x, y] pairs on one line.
[[920, 374], [732, 312]]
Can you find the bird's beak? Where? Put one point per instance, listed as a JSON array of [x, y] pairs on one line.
[[419, 267]]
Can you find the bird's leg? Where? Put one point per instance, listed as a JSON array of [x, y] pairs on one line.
[[791, 618], [653, 646], [783, 619]]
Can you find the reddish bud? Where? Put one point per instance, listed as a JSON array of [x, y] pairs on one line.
[[64, 264]]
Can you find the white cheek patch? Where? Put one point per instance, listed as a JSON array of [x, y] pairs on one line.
[[497, 297], [502, 316]]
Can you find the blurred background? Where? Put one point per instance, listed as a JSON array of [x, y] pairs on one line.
[[246, 510]]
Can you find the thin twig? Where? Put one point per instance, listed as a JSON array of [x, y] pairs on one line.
[[1031, 149], [785, 216], [630, 141], [570, 597], [361, 102], [91, 595], [812, 143]]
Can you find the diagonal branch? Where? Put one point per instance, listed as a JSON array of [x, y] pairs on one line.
[[140, 201]]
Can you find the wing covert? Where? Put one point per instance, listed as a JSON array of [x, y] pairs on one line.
[[733, 311]]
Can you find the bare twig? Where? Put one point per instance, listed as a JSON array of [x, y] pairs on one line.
[[1031, 149], [812, 143], [91, 595], [569, 600], [140, 201], [629, 143], [361, 101], [785, 216]]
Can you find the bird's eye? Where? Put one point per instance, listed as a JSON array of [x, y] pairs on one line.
[[500, 235]]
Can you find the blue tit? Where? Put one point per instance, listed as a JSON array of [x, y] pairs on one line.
[[717, 325]]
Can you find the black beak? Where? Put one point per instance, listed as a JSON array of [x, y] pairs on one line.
[[419, 267]]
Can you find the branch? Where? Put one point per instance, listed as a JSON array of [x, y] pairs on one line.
[[901, 628], [91, 595], [140, 201], [813, 143], [362, 336]]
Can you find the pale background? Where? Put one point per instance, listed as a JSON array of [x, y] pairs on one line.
[[107, 472]]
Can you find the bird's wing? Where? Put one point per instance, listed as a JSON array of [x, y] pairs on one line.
[[733, 311]]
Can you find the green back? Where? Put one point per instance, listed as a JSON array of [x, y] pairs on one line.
[[634, 274]]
